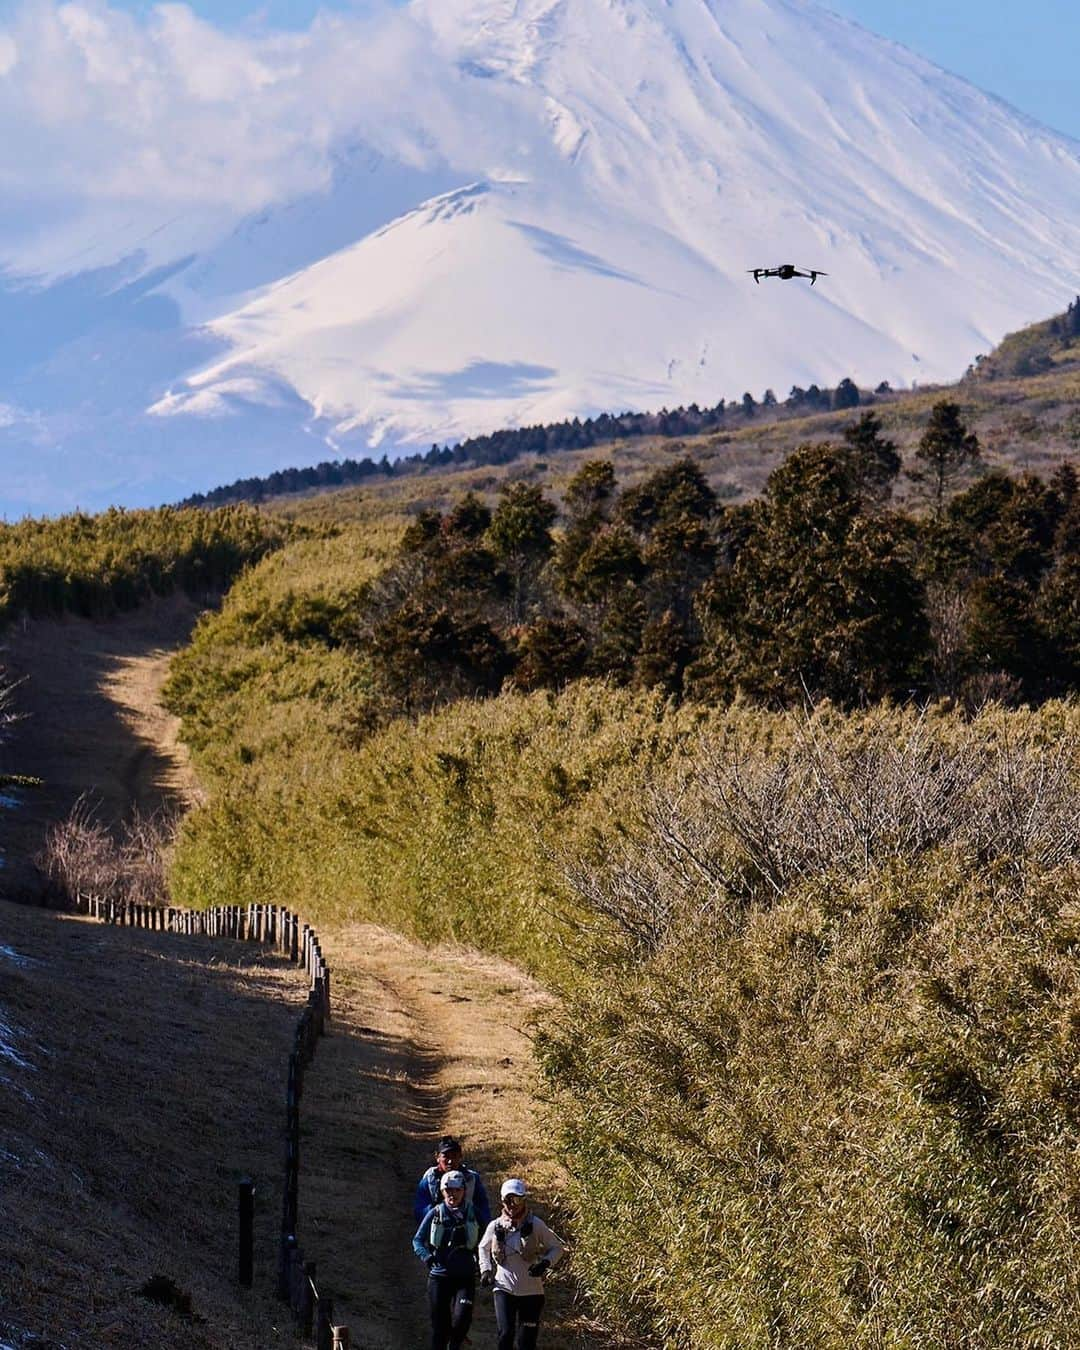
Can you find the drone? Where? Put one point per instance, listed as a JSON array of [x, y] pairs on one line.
[[785, 272]]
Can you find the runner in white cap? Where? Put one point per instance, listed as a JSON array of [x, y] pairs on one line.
[[516, 1253]]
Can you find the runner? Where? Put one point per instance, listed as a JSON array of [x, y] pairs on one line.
[[449, 1158], [446, 1242], [516, 1253]]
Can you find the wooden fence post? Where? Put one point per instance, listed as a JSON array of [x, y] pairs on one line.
[[307, 1298], [283, 930], [285, 1271], [296, 1280], [324, 1317], [246, 1206]]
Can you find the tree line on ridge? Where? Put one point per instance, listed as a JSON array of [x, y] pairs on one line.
[[819, 588], [506, 445]]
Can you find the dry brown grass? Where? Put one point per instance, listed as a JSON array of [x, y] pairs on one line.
[[91, 724], [142, 1075], [123, 1158]]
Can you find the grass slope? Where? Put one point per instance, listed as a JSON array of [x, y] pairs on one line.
[[142, 1076]]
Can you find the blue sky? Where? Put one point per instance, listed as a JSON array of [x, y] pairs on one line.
[[1026, 52]]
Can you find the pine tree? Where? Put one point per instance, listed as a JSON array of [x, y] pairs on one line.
[[819, 595], [520, 538], [946, 450], [469, 518], [874, 461]]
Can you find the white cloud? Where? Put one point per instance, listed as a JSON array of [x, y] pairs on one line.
[[113, 125]]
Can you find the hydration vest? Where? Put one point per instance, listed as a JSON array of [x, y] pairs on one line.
[[530, 1246], [456, 1235]]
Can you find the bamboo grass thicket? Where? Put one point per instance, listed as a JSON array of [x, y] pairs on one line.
[[818, 1064], [96, 565], [817, 977]]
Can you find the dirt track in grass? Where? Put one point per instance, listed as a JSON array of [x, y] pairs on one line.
[[127, 1147]]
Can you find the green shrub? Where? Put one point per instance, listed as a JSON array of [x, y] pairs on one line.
[[824, 1053], [95, 565]]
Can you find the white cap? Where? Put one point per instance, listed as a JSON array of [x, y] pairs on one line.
[[452, 1179], [513, 1186]]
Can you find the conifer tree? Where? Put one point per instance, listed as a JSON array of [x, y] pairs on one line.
[[820, 597], [946, 450], [520, 538], [469, 518], [874, 460], [846, 394], [664, 655]]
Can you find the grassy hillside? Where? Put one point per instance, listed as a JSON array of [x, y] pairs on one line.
[[818, 1038], [142, 1076], [818, 987], [817, 1064], [96, 565]]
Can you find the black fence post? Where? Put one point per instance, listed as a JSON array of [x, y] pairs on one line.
[[307, 1298], [324, 1324], [246, 1205]]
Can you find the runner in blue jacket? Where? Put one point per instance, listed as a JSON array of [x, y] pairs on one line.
[[446, 1242], [448, 1158]]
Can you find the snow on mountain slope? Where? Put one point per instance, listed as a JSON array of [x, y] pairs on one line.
[[546, 208], [694, 139]]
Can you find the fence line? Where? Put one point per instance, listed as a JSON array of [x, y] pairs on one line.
[[280, 928]]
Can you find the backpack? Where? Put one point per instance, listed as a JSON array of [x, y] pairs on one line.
[[457, 1235]]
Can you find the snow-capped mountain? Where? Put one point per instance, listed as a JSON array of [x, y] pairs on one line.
[[544, 208]]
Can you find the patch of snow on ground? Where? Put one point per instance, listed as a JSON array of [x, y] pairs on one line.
[[7, 1047]]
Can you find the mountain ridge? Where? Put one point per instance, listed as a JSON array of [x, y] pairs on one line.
[[636, 159]]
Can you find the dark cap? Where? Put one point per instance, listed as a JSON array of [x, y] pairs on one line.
[[447, 1144]]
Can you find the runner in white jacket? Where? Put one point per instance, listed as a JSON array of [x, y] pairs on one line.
[[516, 1253]]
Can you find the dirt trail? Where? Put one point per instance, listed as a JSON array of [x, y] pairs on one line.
[[89, 696], [423, 1042]]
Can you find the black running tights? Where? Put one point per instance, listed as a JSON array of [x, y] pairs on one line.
[[450, 1298], [520, 1312]]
